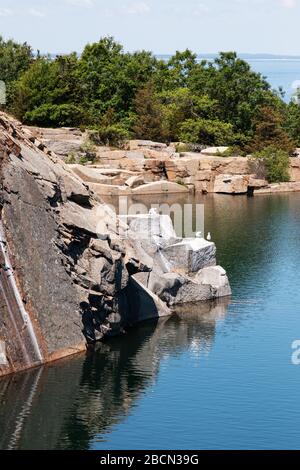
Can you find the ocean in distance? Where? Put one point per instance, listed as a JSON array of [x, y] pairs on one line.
[[280, 71]]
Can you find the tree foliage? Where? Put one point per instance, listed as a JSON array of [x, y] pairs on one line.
[[274, 164], [269, 132], [14, 60], [208, 132], [120, 94]]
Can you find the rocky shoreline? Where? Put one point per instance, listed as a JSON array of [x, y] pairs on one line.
[[72, 272], [146, 167]]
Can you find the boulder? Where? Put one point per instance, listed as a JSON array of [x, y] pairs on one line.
[[160, 187], [135, 181], [231, 184], [146, 144], [257, 183], [279, 188], [143, 304], [214, 150], [90, 174], [295, 169], [147, 226], [190, 255], [176, 289], [107, 154], [216, 277]]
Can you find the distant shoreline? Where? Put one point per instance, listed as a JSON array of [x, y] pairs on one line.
[[206, 55], [252, 57]]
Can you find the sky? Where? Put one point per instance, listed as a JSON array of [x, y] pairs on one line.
[[160, 26]]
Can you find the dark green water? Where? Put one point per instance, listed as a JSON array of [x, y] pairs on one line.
[[219, 376]]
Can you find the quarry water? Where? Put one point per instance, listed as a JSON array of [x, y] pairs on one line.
[[215, 377]]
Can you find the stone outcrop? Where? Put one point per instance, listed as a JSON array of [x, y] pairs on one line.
[[176, 266], [64, 141], [186, 173], [72, 272], [231, 184], [289, 187], [204, 171], [295, 169]]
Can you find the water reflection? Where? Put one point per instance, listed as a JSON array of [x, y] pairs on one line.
[[66, 405]]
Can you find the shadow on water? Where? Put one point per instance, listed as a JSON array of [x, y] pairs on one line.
[[67, 404]]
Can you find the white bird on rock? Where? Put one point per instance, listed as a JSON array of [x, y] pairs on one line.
[[153, 212], [209, 236]]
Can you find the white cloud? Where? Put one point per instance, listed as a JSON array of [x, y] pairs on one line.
[[288, 3], [6, 12], [138, 8], [36, 13], [201, 9], [81, 3]]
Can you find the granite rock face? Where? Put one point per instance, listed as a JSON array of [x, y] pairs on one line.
[[145, 162], [228, 184], [183, 270], [71, 272]]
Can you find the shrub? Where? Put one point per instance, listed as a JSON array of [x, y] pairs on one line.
[[269, 132], [71, 159], [273, 164], [206, 131], [62, 115], [114, 135]]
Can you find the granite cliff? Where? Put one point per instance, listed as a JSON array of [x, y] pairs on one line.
[[71, 272]]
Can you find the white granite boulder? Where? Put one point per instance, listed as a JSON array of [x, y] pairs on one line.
[[190, 255], [216, 277]]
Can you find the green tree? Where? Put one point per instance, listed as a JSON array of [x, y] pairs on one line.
[[179, 105], [49, 94], [238, 90], [110, 78], [292, 122], [207, 132], [14, 60], [269, 132], [148, 121], [273, 163]]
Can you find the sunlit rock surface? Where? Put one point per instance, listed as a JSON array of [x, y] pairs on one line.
[[68, 264]]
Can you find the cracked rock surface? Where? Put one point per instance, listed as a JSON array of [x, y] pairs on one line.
[[78, 278]]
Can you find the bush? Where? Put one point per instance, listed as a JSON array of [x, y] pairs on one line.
[[270, 133], [71, 159], [273, 164], [47, 115], [196, 148], [114, 135], [206, 131]]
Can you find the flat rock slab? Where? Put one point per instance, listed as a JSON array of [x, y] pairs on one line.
[[146, 144], [160, 187], [214, 150], [147, 226], [279, 188]]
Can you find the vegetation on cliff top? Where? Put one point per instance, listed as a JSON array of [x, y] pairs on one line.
[[120, 95]]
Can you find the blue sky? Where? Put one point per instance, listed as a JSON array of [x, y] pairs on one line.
[[162, 26]]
